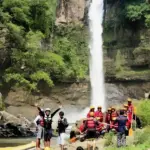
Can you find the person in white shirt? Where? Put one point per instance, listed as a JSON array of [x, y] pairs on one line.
[[39, 123]]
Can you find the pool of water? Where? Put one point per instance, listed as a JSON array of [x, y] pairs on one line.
[[10, 142]]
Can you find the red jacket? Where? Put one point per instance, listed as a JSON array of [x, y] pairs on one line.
[[99, 114], [82, 126], [88, 115], [130, 112], [90, 123], [100, 127], [113, 115], [108, 118]]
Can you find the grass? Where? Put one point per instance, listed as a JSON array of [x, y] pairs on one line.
[[134, 75]]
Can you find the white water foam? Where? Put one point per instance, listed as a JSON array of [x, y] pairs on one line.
[[96, 62], [96, 51]]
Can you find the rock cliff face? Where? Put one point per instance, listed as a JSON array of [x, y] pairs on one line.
[[73, 97], [70, 11]]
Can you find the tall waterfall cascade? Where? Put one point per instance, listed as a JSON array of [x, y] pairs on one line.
[[96, 53]]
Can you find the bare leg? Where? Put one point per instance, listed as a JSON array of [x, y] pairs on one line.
[[62, 147], [37, 144]]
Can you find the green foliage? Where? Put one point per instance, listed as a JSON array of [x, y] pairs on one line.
[[119, 62], [109, 139], [143, 111], [33, 54], [40, 75], [142, 136], [71, 44], [139, 12]]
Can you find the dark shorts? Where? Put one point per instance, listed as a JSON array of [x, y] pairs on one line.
[[47, 134], [91, 133]]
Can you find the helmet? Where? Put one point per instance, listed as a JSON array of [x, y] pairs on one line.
[[99, 107], [129, 100], [91, 114], [92, 107], [47, 109], [125, 105], [113, 108]]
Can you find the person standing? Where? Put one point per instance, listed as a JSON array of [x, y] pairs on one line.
[[39, 122], [92, 109], [62, 125], [121, 130], [99, 113], [108, 118], [48, 125]]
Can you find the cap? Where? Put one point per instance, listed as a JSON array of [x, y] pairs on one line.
[[47, 109]]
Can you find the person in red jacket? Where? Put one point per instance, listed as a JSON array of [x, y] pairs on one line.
[[90, 126], [92, 109], [113, 117], [99, 113], [130, 110], [108, 118]]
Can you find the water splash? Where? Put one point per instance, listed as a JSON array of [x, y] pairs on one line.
[[96, 52]]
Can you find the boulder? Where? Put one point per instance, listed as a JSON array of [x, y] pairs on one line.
[[11, 126]]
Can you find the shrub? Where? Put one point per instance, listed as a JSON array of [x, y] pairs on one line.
[[143, 111], [109, 139]]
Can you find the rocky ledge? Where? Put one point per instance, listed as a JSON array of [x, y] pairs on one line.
[[11, 126]]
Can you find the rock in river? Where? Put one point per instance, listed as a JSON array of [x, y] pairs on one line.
[[11, 126]]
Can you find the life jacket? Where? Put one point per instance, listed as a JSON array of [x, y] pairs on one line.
[[41, 122], [99, 114], [91, 123], [130, 109], [100, 127], [130, 112], [108, 117], [113, 115], [47, 122]]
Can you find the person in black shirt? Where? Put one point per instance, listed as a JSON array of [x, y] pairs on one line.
[[48, 125], [62, 125]]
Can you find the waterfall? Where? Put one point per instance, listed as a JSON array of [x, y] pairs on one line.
[[96, 53]]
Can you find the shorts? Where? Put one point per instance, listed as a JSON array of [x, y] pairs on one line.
[[40, 132], [91, 133], [62, 138], [47, 134]]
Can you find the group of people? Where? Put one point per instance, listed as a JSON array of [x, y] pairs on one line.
[[43, 124], [94, 125], [97, 123]]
